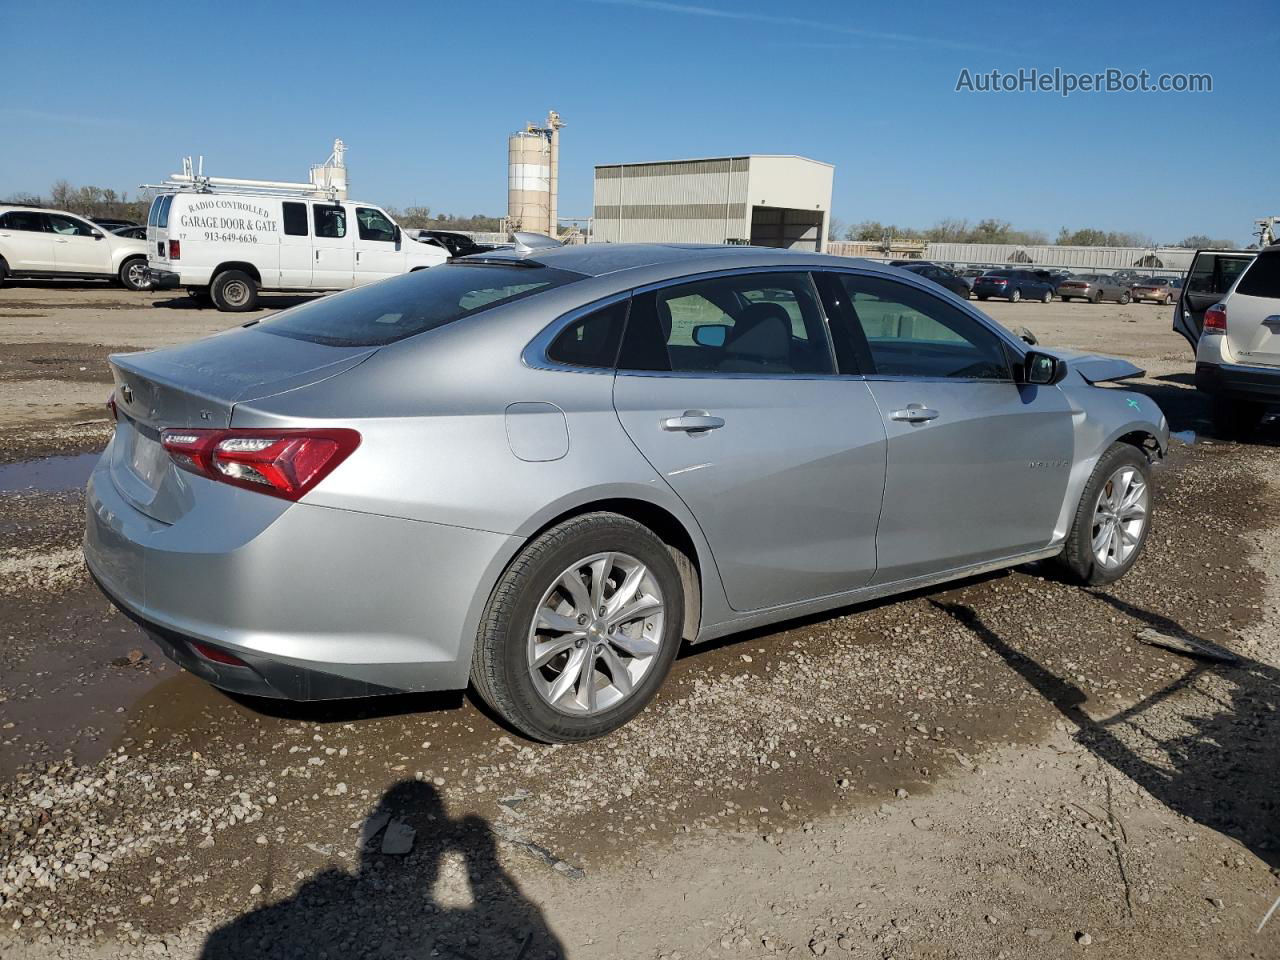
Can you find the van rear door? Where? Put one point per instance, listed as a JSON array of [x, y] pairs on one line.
[[1211, 275], [158, 230]]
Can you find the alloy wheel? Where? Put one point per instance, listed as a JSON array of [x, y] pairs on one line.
[[596, 633], [137, 275], [1120, 517]]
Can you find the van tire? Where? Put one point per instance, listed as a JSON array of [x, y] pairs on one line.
[[133, 273], [234, 291]]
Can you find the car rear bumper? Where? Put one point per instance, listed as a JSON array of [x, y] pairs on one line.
[[318, 603], [1236, 380], [992, 291]]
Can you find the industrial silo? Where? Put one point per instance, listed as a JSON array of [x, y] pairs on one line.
[[533, 161]]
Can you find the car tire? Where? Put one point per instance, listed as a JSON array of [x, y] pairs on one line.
[[4, 271], [133, 273], [1082, 555], [1125, 298], [1048, 297], [1097, 297], [1015, 296], [503, 671], [982, 296], [234, 291], [1234, 418]]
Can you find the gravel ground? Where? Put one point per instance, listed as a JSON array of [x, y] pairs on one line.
[[999, 769]]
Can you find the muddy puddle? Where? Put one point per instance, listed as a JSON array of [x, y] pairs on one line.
[[48, 474]]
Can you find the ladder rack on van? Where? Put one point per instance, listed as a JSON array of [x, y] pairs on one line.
[[193, 179]]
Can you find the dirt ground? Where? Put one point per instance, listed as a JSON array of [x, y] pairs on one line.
[[999, 769]]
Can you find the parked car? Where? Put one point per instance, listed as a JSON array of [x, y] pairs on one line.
[[458, 244], [541, 471], [130, 233], [939, 275], [1013, 285], [54, 244], [226, 246], [1155, 289], [1094, 287], [972, 273], [111, 223], [1230, 313]]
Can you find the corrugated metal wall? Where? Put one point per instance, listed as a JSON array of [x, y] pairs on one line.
[[689, 201], [1049, 255]]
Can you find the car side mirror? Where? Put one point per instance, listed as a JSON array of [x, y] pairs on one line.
[[97, 236], [1041, 369], [710, 334]]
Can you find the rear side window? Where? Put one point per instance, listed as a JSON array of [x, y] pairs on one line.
[[331, 221], [591, 341], [295, 219], [766, 324], [1262, 279], [162, 215], [1215, 273], [27, 220], [407, 305]]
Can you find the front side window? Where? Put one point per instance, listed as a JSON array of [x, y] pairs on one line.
[[69, 226], [331, 221], [26, 220], [911, 333], [374, 225], [766, 323], [592, 340], [413, 303], [295, 218]]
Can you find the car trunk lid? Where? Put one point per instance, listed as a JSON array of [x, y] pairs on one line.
[[198, 385]]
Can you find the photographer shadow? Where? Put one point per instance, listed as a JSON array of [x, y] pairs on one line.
[[389, 907]]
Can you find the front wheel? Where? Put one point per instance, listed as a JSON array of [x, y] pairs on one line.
[[1015, 296], [581, 629], [1125, 298], [1048, 297], [133, 274], [1111, 524], [234, 291], [1096, 298]]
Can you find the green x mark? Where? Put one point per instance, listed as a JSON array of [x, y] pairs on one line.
[[1134, 403]]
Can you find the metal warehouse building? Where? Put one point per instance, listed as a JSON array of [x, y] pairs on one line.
[[770, 201]]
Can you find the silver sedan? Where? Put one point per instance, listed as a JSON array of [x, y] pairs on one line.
[[537, 472]]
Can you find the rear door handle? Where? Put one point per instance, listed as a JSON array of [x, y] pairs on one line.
[[693, 421], [914, 413]]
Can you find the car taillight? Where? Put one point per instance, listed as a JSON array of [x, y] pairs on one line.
[[281, 463], [111, 405], [1215, 319], [175, 250]]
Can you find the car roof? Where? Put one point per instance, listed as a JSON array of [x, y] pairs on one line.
[[678, 259]]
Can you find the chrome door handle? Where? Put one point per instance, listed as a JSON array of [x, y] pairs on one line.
[[915, 413], [58, 240], [693, 421]]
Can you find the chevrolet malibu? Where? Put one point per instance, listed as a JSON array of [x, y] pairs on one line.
[[536, 472]]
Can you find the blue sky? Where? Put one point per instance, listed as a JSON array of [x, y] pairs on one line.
[[425, 93]]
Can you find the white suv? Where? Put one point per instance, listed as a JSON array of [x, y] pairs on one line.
[[1237, 334], [35, 242]]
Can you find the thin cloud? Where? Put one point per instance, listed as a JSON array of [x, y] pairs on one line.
[[747, 16]]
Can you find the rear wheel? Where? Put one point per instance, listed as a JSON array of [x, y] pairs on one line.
[[580, 630], [234, 291], [1015, 296], [133, 273], [1233, 417], [1097, 297], [1048, 297], [1111, 524], [982, 296], [1125, 298]]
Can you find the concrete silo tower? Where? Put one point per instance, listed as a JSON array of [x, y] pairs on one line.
[[533, 175]]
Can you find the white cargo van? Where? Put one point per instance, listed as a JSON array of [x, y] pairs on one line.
[[226, 246]]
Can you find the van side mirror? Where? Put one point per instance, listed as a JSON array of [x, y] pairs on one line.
[[1041, 369], [397, 233]]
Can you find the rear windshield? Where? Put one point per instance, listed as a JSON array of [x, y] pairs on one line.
[[414, 303]]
